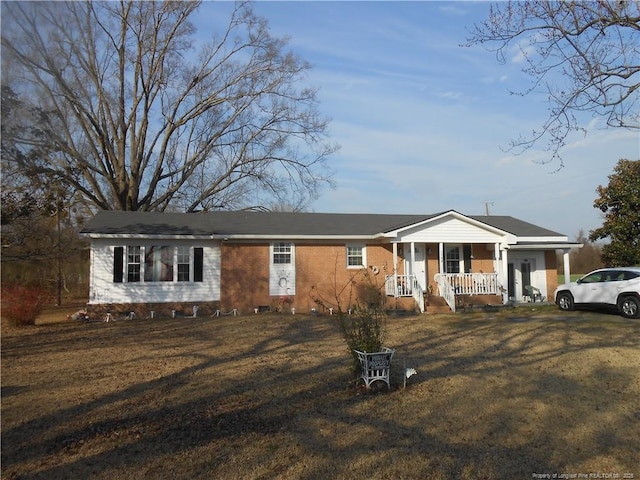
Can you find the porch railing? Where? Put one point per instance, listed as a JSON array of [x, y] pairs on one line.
[[470, 283], [405, 286], [446, 291], [452, 284]]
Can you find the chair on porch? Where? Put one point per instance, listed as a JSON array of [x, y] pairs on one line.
[[533, 293]]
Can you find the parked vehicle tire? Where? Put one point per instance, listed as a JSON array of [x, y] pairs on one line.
[[629, 306], [565, 301]]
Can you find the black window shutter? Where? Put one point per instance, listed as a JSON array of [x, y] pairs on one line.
[[198, 260], [466, 252], [118, 264]]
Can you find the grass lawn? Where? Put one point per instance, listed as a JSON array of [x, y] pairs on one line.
[[512, 394]]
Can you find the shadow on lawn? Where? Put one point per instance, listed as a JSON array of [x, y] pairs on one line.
[[493, 398]]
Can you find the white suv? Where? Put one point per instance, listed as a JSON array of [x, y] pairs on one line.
[[608, 287]]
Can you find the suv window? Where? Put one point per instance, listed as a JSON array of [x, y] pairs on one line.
[[613, 276], [593, 278], [630, 275]]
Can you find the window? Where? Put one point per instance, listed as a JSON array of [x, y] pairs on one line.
[[281, 253], [158, 265], [595, 277], [355, 256], [159, 261], [133, 264], [184, 263], [452, 260]]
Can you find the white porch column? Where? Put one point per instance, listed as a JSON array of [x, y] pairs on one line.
[[395, 268], [441, 258], [504, 275], [395, 258], [567, 268], [413, 259]]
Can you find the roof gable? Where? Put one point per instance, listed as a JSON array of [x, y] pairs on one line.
[[451, 227]]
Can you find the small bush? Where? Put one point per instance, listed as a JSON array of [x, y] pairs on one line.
[[364, 330], [21, 305]]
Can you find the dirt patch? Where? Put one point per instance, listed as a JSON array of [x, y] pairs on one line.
[[497, 395]]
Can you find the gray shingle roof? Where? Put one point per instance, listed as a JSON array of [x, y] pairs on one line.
[[515, 226], [247, 223]]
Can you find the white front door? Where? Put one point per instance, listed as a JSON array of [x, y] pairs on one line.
[[419, 268], [523, 271]]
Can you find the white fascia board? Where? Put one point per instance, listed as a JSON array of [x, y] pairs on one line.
[[123, 236], [544, 246], [294, 237], [454, 214], [558, 239], [138, 236]]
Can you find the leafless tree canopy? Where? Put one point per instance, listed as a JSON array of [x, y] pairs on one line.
[[586, 55], [121, 106]]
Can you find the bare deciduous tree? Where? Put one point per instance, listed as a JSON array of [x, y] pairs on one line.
[[125, 110], [585, 55]]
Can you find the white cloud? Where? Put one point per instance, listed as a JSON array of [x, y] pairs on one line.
[[423, 122]]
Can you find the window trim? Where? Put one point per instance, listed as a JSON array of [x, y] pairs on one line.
[[459, 248], [124, 269], [128, 264], [155, 257], [180, 255], [363, 256], [287, 253]]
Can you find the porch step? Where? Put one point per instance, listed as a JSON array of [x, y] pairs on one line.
[[437, 305], [438, 309]]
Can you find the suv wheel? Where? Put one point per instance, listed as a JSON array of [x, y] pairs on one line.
[[629, 306], [565, 301]]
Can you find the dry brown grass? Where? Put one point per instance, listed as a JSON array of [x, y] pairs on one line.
[[502, 395]]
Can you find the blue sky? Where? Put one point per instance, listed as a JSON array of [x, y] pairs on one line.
[[423, 123]]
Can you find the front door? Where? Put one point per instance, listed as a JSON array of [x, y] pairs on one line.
[[419, 268], [520, 276]]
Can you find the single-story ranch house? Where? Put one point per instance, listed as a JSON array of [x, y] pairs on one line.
[[255, 261]]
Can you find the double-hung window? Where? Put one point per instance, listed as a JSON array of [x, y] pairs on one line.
[[184, 263], [452, 259], [134, 264], [282, 253], [355, 256], [189, 264]]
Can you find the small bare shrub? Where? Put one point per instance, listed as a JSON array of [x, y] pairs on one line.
[[363, 321], [364, 330], [21, 305]]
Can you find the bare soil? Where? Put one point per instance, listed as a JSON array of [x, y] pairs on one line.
[[513, 394]]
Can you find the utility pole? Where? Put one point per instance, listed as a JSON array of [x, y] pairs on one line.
[[486, 207]]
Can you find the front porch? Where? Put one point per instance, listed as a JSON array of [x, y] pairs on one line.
[[474, 259], [450, 287]]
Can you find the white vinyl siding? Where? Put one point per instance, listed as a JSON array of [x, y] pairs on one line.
[[451, 230], [282, 269], [204, 274]]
